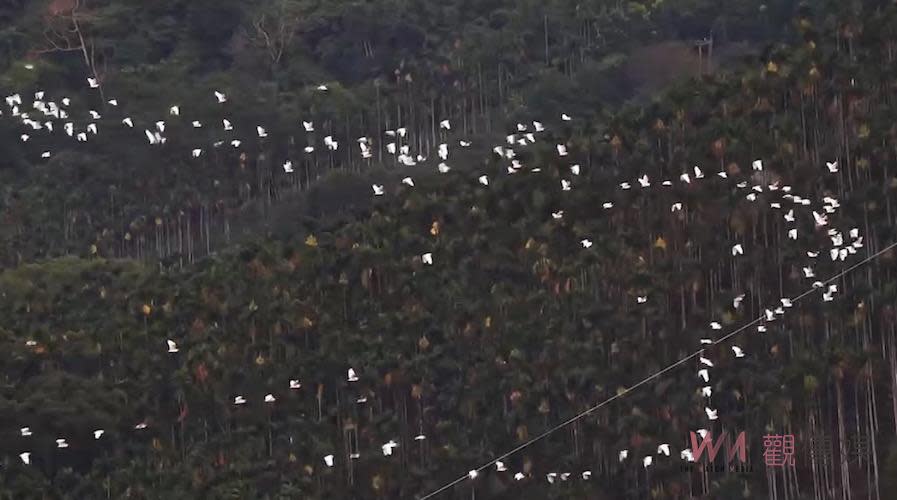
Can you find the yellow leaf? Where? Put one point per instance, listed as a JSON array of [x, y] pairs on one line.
[[146, 309], [311, 241], [259, 360], [660, 243], [772, 67], [434, 229]]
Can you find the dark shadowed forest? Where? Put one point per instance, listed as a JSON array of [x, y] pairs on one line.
[[355, 249]]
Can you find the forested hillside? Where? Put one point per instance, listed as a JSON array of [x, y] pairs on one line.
[[244, 309]]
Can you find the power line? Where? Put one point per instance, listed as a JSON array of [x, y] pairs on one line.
[[645, 380]]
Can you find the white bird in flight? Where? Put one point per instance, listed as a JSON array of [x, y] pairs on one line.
[[172, 346], [739, 353], [352, 376]]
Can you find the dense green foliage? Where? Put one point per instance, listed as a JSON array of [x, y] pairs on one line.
[[514, 328], [412, 63]]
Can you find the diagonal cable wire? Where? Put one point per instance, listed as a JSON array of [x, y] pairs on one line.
[[644, 381]]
